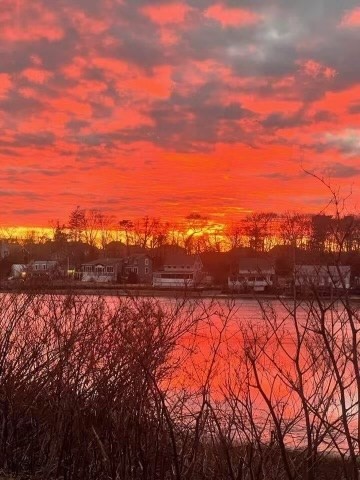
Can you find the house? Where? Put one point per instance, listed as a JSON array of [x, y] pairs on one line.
[[179, 270], [42, 268], [4, 249], [104, 270], [137, 268], [253, 274], [323, 277]]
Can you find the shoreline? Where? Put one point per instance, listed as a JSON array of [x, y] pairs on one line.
[[131, 291]]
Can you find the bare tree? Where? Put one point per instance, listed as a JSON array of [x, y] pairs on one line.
[[295, 229], [194, 226], [127, 228], [77, 224], [259, 229], [234, 234]]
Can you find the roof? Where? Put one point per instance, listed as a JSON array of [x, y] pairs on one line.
[[138, 255], [131, 259], [103, 261], [51, 262], [255, 264], [180, 259]]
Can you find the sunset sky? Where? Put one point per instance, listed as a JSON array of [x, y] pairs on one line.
[[153, 107]]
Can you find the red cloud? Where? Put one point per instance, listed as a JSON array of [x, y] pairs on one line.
[[37, 75], [71, 106], [231, 16], [352, 18], [167, 14], [157, 85]]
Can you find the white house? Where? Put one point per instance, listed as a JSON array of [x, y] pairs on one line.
[[254, 274], [103, 270], [179, 271], [322, 276]]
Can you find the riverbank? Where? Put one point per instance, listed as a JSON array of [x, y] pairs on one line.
[[79, 288], [121, 291]]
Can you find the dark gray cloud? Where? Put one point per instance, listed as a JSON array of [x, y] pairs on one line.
[[279, 120], [21, 171], [341, 170], [325, 116], [17, 106], [39, 139], [195, 120], [30, 211], [278, 176], [354, 109], [27, 195]]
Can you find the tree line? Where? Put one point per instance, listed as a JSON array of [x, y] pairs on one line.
[[259, 231]]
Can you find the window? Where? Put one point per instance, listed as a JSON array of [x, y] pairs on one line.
[[44, 266], [146, 270], [110, 269], [131, 269], [88, 268], [146, 262]]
